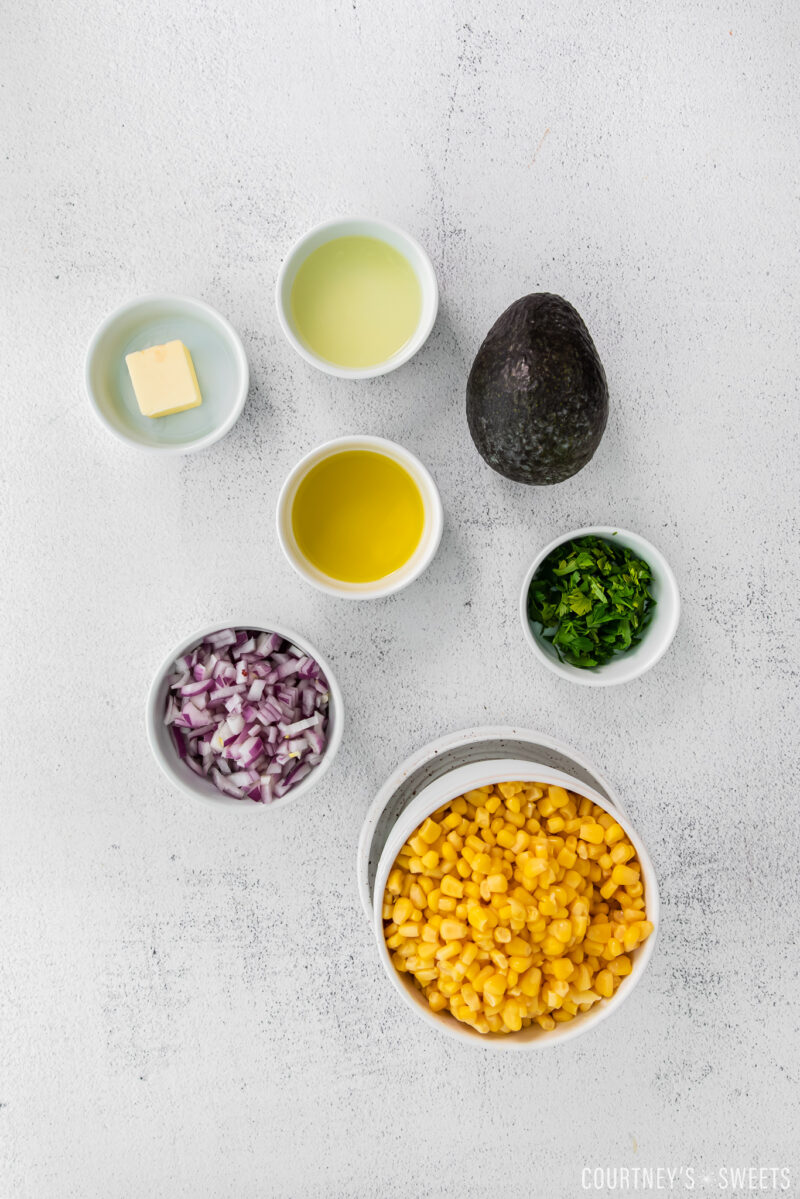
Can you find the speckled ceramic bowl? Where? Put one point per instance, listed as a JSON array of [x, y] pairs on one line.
[[441, 791]]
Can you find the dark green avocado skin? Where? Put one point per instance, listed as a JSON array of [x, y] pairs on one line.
[[537, 397]]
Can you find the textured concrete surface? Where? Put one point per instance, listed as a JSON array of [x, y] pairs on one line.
[[191, 1005]]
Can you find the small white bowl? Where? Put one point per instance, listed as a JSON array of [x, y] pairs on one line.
[[441, 791], [657, 637], [219, 360], [419, 560], [384, 231], [203, 789]]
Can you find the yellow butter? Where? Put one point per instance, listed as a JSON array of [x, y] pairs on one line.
[[164, 380]]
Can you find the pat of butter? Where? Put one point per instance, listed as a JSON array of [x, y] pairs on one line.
[[163, 379]]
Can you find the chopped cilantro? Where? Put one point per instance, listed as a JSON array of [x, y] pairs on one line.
[[592, 599]]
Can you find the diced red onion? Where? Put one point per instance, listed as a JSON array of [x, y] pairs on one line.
[[249, 711]]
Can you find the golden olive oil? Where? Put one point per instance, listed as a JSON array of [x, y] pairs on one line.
[[356, 301], [358, 516]]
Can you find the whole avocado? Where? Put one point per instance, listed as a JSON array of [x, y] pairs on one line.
[[537, 397]]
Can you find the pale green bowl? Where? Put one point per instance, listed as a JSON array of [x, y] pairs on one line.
[[219, 360]]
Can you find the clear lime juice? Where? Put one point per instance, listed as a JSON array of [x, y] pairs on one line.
[[356, 301]]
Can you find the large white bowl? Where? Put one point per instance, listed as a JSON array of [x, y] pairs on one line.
[[398, 579], [193, 785], [219, 360], [657, 637], [384, 231], [481, 774]]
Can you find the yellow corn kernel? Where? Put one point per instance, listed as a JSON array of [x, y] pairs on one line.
[[492, 804], [417, 896], [471, 997], [518, 963], [592, 833], [394, 883], [502, 935], [547, 1023], [430, 831], [463, 868], [482, 863], [451, 950], [430, 860], [506, 838], [495, 985], [415, 866], [448, 853], [428, 949], [623, 853], [621, 965], [561, 930], [566, 858], [409, 929], [452, 887], [614, 833], [582, 978], [608, 889], [635, 890], [646, 928], [453, 930], [499, 958], [428, 975], [469, 953], [497, 883], [402, 910], [555, 824], [512, 1015], [481, 918], [530, 981], [436, 1001], [631, 937], [562, 968], [623, 876]]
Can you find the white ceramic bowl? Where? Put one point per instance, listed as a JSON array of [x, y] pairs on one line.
[[193, 785], [358, 227], [419, 560], [439, 792], [657, 637], [219, 360]]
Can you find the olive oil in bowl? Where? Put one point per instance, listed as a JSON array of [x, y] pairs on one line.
[[356, 301], [357, 516]]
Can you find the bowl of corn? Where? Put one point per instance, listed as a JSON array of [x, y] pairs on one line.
[[515, 914]]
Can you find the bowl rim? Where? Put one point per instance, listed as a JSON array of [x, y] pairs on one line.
[[433, 508], [429, 287], [500, 770], [216, 798], [228, 332], [665, 622]]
